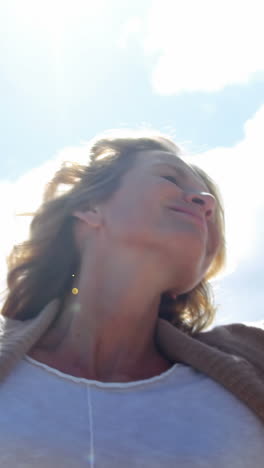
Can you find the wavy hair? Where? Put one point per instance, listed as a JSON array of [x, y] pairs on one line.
[[40, 269]]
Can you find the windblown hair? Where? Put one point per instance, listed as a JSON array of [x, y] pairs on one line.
[[40, 269]]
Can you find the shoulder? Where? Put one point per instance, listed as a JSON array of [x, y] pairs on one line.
[[237, 329], [245, 337]]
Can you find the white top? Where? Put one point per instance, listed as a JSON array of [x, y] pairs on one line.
[[180, 418]]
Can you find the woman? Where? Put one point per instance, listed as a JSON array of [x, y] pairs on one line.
[[131, 245]]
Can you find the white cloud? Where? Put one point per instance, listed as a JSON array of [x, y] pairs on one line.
[[237, 170], [239, 174], [205, 45], [130, 28]]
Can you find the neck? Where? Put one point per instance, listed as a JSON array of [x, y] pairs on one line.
[[107, 334]]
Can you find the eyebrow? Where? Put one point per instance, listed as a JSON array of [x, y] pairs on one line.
[[183, 173]]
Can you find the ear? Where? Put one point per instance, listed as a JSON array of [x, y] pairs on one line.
[[91, 217]]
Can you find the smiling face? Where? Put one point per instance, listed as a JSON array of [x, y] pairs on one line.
[[139, 217]]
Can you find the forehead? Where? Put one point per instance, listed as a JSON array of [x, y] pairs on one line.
[[148, 160]]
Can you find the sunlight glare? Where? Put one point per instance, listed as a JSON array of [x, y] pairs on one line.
[[53, 18]]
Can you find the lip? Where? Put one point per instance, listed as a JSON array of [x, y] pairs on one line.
[[189, 212]]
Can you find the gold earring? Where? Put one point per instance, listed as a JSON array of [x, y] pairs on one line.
[[75, 290]]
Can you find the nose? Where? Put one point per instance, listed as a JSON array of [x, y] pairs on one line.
[[206, 201]]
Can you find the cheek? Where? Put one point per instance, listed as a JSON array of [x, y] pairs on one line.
[[132, 214], [214, 241], [216, 238]]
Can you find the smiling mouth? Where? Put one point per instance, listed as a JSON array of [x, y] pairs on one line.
[[195, 218]]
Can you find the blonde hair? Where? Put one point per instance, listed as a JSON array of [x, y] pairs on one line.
[[41, 268]]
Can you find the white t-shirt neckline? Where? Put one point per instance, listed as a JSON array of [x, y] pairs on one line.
[[98, 383]]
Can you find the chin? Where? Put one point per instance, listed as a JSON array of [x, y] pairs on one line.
[[186, 287]]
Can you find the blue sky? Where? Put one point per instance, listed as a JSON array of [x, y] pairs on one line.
[[71, 69]]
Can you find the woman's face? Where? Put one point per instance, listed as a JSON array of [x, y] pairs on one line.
[[139, 217]]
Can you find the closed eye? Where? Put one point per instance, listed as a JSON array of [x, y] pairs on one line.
[[171, 179]]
